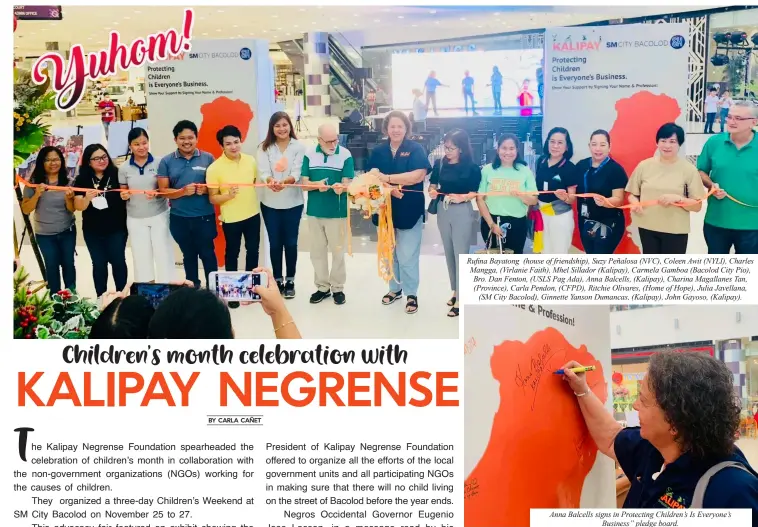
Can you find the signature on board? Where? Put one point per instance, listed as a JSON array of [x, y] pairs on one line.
[[537, 367]]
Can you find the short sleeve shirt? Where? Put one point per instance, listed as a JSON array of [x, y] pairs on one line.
[[468, 84], [410, 156], [431, 84], [181, 172], [511, 179], [144, 177], [651, 180], [600, 180], [458, 178], [226, 172], [560, 176], [673, 488], [110, 219], [735, 171], [318, 166], [51, 215]]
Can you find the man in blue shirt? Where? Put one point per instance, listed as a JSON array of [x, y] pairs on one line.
[[468, 91], [193, 218], [430, 86], [689, 418]]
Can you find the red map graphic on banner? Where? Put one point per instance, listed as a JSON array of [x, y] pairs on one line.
[[540, 451], [218, 113], [638, 118]]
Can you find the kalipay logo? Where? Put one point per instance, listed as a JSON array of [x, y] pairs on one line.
[[245, 53], [677, 41]]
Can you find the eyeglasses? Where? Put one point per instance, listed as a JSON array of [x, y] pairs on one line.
[[99, 159], [333, 142], [731, 117], [451, 148]]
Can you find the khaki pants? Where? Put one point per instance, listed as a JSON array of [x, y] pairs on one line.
[[328, 235]]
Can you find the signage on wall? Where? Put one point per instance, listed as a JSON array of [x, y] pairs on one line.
[[38, 12]]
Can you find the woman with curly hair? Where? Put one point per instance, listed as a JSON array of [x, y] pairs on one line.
[[683, 454]]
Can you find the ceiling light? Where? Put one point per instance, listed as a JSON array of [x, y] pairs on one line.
[[115, 23], [377, 20], [220, 10], [480, 26], [218, 30], [301, 9], [129, 18], [433, 12], [414, 25], [400, 16], [138, 12], [274, 16], [205, 34], [497, 14], [235, 25]]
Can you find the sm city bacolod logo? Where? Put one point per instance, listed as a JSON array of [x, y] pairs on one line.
[[244, 54], [675, 42], [583, 43]]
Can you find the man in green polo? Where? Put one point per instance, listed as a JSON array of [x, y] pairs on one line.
[[729, 164], [328, 168]]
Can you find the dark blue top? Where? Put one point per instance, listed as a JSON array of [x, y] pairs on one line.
[[496, 80], [409, 157], [731, 488], [431, 84], [468, 84], [181, 172]]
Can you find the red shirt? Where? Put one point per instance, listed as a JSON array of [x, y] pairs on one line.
[[109, 114]]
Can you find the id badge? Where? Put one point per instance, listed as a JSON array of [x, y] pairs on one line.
[[584, 211], [545, 186], [100, 203]]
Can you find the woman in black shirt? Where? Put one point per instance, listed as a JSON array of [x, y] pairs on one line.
[[601, 225], [103, 217], [454, 184], [556, 173]]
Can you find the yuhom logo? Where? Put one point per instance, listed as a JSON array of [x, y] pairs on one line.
[[245, 53], [568, 44]]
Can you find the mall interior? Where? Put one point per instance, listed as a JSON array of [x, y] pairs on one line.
[[728, 333], [373, 55]]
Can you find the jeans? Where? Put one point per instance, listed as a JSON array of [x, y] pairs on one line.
[[283, 228], [431, 96], [107, 127], [233, 232], [654, 242], [195, 239], [466, 96], [58, 252], [720, 240], [107, 249], [496, 98], [515, 236], [722, 117], [710, 118], [595, 243], [405, 265]]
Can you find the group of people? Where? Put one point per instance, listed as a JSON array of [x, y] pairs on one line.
[[716, 105], [420, 109]]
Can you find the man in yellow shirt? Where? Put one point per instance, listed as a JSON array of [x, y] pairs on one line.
[[239, 203]]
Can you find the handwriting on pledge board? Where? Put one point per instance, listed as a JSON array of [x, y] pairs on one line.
[[539, 452]]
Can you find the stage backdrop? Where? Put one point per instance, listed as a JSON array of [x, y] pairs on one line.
[[217, 83], [627, 79], [526, 443]]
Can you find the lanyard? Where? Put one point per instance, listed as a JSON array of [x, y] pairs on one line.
[[96, 183], [601, 165]]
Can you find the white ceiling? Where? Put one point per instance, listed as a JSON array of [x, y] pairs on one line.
[[378, 25]]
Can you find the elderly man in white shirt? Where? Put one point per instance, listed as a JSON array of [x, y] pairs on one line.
[[280, 159]]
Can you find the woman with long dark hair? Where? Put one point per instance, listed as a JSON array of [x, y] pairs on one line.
[[504, 221], [454, 183], [147, 216], [103, 217], [280, 160], [556, 173], [54, 224], [601, 223]]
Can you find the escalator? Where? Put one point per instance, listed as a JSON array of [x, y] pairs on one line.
[[340, 60]]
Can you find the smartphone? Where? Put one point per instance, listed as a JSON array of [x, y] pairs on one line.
[[237, 286], [155, 293]]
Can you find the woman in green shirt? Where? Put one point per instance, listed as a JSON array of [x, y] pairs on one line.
[[504, 213]]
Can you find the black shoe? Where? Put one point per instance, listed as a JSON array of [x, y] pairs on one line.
[[319, 296], [233, 305], [289, 289], [281, 287], [339, 298]]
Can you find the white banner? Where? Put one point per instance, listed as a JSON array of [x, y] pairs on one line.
[[217, 83]]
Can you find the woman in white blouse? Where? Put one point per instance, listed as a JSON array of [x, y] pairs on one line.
[[280, 159]]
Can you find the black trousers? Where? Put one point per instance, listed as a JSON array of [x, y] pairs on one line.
[[233, 232], [654, 242], [515, 237]]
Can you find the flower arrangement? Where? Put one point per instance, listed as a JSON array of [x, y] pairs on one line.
[[372, 197], [621, 401], [38, 315], [29, 103]]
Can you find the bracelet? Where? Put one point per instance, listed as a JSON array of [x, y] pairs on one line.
[[276, 330], [582, 394]]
